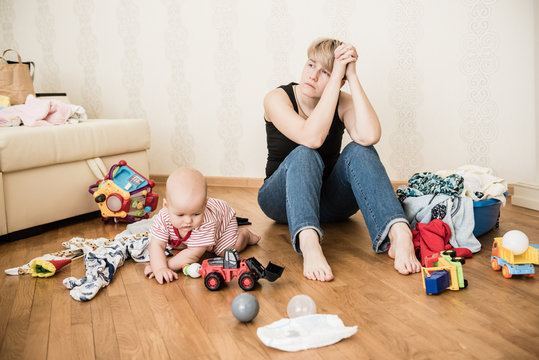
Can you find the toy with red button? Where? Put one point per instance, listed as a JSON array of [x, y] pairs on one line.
[[124, 194]]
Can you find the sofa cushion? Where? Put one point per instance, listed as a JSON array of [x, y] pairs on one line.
[[29, 147]]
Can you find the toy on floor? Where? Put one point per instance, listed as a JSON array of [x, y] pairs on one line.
[[443, 271], [192, 270], [46, 268], [217, 270], [124, 194], [513, 254], [53, 259], [300, 305], [245, 307]]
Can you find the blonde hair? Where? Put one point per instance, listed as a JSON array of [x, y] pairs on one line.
[[323, 51]]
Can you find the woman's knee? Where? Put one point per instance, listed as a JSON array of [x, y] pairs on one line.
[[306, 156], [356, 150]]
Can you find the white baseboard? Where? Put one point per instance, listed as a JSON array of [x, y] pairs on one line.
[[526, 195]]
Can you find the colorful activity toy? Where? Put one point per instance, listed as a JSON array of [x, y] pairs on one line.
[[124, 194]]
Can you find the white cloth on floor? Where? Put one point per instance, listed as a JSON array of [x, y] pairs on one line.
[[305, 332], [479, 179]]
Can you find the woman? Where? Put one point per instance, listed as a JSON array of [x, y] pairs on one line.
[[309, 181]]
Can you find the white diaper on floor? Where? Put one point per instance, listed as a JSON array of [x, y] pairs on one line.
[[305, 332]]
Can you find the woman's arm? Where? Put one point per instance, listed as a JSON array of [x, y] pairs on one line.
[[313, 130], [358, 115], [186, 256]]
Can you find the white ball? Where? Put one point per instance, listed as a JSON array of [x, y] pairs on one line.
[[516, 241], [300, 305], [193, 269]]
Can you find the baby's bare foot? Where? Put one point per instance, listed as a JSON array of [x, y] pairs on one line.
[[315, 265], [253, 238]]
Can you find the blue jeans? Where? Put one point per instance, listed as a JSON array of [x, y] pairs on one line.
[[296, 194]]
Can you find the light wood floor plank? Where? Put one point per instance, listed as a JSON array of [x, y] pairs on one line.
[[135, 317]]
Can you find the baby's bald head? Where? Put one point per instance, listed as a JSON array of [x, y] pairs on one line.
[[185, 188]]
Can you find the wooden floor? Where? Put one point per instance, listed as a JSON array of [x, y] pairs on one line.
[[134, 317]]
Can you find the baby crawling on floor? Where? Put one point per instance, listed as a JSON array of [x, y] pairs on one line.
[[193, 223]]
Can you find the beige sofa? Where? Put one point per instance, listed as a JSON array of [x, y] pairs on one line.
[[44, 171]]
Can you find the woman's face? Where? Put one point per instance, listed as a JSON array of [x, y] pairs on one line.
[[314, 78]]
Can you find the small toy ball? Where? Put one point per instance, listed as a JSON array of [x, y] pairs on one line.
[[516, 241], [191, 270], [300, 305], [245, 307]]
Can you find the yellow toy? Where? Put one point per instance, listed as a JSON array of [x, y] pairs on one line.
[[124, 194], [511, 263]]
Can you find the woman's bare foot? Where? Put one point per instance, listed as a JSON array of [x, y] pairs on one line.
[[148, 272], [315, 265], [402, 249]]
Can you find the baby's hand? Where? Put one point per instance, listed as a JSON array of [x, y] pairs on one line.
[[165, 274]]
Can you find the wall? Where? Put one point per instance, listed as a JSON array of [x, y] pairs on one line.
[[453, 82], [536, 42]]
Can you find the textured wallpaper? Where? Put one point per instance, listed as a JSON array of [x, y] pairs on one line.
[[452, 81]]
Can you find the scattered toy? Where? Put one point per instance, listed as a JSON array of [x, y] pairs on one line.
[[217, 270], [124, 194], [192, 270], [245, 307], [300, 305], [511, 262], [443, 271]]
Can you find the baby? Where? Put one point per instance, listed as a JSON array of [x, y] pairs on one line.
[[191, 221]]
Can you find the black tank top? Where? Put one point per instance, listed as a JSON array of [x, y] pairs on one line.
[[279, 146]]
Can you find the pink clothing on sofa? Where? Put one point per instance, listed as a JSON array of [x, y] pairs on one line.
[[36, 112]]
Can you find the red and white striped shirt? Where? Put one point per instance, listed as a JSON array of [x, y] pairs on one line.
[[219, 228]]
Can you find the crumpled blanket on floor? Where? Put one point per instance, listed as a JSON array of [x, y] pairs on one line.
[[106, 257]]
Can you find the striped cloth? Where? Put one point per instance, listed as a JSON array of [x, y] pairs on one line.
[[219, 230]]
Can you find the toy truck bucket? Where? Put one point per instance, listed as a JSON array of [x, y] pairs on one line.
[[271, 272]]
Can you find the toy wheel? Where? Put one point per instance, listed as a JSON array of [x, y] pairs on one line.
[[505, 272], [247, 281], [494, 264], [213, 281], [451, 253], [460, 259], [465, 284], [530, 275]]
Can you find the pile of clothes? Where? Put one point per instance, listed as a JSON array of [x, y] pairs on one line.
[[439, 207]]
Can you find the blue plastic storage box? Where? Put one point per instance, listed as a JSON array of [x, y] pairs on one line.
[[486, 215]]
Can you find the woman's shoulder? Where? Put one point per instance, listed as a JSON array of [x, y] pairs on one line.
[[280, 93]]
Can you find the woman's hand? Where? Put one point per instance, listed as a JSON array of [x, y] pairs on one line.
[[346, 55]]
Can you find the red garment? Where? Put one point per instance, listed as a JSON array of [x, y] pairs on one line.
[[433, 238]]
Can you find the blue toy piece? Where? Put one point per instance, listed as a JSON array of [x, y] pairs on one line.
[[437, 282], [124, 194]]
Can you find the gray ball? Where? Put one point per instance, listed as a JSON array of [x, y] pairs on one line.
[[245, 307]]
